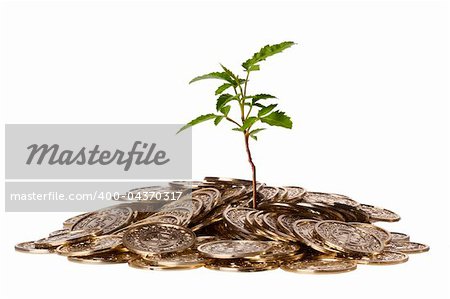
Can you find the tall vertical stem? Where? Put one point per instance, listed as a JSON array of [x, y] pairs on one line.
[[250, 160]]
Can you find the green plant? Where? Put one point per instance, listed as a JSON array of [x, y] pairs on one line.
[[251, 108]]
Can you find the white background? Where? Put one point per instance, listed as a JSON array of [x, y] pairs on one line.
[[366, 86]]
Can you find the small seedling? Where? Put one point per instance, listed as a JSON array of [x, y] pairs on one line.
[[253, 109]]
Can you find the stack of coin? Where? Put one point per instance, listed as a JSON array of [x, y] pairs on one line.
[[214, 225]]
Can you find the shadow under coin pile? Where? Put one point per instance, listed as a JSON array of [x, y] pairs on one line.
[[213, 225]]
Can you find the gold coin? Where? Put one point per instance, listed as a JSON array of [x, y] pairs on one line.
[[381, 233], [320, 266], [110, 257], [187, 258], [157, 238], [407, 247], [329, 199], [279, 251], [269, 193], [71, 221], [141, 263], [91, 246], [185, 213], [241, 265], [293, 193], [380, 214], [231, 249], [30, 247], [108, 220], [348, 238], [384, 258], [399, 237], [69, 237], [304, 230]]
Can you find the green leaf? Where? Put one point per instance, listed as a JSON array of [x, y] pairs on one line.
[[218, 119], [254, 137], [254, 68], [236, 80], [279, 119], [248, 123], [266, 52], [198, 120], [225, 110], [261, 96], [255, 131], [223, 99], [223, 87], [266, 110], [214, 75]]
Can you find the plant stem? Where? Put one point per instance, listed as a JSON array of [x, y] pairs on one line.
[[250, 160], [246, 136]]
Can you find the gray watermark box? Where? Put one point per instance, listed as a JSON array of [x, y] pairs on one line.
[[97, 151]]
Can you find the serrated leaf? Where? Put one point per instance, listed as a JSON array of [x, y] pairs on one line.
[[214, 75], [248, 123], [266, 110], [225, 110], [218, 119], [254, 68], [277, 118], [236, 80], [261, 96], [197, 120], [266, 52], [222, 88], [223, 99]]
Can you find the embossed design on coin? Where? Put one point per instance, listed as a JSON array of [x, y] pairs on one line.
[[279, 251], [230, 249], [294, 192], [241, 265], [91, 246], [108, 220], [270, 223], [171, 219], [71, 221], [236, 218], [399, 237], [183, 213], [286, 222], [380, 214], [407, 247], [329, 199], [381, 233], [209, 197], [304, 231], [348, 238], [70, 237], [320, 266], [157, 238], [384, 258], [268, 192]]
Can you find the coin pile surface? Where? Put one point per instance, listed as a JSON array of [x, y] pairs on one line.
[[213, 225]]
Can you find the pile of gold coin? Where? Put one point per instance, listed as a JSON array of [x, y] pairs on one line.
[[213, 225]]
